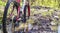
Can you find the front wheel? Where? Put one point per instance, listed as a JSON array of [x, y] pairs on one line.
[[4, 17]]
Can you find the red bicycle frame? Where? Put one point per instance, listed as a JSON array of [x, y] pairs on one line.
[[24, 10], [18, 13]]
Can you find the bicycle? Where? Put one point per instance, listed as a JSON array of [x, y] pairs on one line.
[[4, 20]]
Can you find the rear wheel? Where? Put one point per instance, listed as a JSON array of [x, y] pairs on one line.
[[26, 12]]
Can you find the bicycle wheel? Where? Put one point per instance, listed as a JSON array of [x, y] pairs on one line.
[[24, 18], [4, 18], [7, 23], [26, 12]]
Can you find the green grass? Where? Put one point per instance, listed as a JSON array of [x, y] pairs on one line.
[[2, 3], [48, 3], [0, 19]]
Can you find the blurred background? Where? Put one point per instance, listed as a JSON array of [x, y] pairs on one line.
[[44, 13]]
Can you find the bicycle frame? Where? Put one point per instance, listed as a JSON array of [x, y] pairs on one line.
[[6, 10], [24, 10]]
